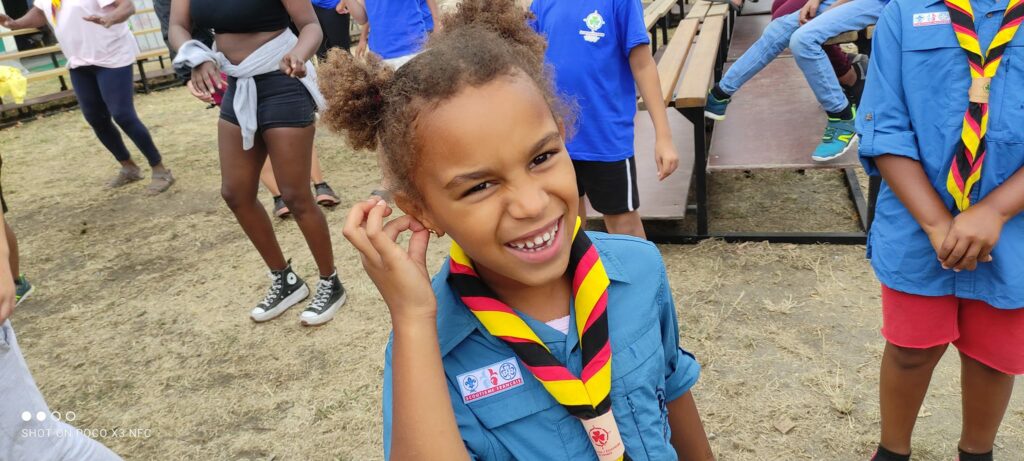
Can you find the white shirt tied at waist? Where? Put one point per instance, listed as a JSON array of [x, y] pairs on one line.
[[265, 59]]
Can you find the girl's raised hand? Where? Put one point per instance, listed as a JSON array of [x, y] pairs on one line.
[[400, 274]]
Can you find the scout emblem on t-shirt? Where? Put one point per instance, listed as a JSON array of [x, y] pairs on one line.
[[594, 21], [931, 19], [490, 380]]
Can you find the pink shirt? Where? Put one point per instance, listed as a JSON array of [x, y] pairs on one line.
[[88, 44]]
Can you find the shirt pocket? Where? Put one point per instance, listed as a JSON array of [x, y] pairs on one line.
[[641, 396], [1007, 104], [930, 51], [531, 425]]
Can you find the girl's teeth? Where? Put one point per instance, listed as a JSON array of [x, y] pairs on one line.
[[538, 240], [547, 236], [530, 244]]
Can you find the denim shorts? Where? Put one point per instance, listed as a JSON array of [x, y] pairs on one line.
[[282, 102]]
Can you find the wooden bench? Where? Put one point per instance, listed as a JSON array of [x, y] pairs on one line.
[[657, 14]]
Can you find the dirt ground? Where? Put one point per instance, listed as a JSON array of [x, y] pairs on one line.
[[139, 324]]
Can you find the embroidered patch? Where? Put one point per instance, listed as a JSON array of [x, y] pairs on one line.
[[594, 21], [931, 19], [490, 380]]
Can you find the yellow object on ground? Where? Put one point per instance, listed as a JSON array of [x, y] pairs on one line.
[[11, 81]]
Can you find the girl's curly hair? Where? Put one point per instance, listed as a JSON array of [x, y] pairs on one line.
[[376, 108]]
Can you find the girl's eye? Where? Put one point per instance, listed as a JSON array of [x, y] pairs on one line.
[[478, 188], [542, 158]]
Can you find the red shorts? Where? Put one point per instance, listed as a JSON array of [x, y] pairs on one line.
[[992, 336]]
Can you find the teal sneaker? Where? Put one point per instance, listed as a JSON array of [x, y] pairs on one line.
[[22, 288], [837, 140], [715, 108]]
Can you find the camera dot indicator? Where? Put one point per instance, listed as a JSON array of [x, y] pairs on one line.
[[26, 416], [41, 416]]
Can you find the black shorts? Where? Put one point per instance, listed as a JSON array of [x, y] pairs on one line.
[[282, 102], [611, 186]]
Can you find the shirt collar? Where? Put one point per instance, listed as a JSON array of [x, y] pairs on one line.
[[997, 5], [454, 320]]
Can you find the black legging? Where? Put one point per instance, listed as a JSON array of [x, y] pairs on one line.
[[335, 28]]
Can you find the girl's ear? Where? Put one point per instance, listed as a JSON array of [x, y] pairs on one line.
[[414, 208]]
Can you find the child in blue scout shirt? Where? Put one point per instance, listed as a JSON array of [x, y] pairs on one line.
[[804, 32], [599, 49], [536, 341], [395, 29], [941, 122]]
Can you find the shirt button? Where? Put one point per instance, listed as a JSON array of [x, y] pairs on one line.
[[988, 15], [869, 116]]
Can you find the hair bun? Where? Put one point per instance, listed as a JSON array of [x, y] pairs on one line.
[[355, 91], [503, 17]]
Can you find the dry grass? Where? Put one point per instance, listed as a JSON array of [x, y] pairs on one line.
[[140, 318]]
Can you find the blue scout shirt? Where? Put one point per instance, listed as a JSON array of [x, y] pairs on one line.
[[913, 106], [396, 27], [514, 417], [327, 4], [588, 46]]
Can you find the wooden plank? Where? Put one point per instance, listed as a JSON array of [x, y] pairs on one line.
[[700, 67], [655, 11], [718, 9], [845, 37], [699, 10], [18, 32], [784, 140], [151, 30], [152, 54], [671, 65], [52, 73], [30, 53]]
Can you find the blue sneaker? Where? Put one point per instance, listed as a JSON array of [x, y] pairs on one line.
[[837, 140], [22, 288], [715, 108]]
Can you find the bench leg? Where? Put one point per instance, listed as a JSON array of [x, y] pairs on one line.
[[857, 197], [654, 39], [701, 129], [874, 184], [664, 30], [142, 75]]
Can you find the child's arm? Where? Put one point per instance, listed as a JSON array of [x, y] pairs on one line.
[[310, 36], [7, 290], [688, 436], [424, 426], [357, 9], [645, 72], [907, 179], [435, 11], [33, 19], [976, 231]]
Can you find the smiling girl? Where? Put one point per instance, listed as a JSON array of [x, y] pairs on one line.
[[535, 340]]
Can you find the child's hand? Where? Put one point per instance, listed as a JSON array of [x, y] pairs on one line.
[[206, 79], [971, 238], [399, 274], [293, 66], [207, 98], [937, 234], [808, 11], [105, 21], [666, 158], [6, 21]]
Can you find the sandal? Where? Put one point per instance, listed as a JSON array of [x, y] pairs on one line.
[[160, 183], [325, 196], [126, 176]]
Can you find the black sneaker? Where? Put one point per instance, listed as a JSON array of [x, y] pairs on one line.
[[286, 290], [859, 62], [329, 297]]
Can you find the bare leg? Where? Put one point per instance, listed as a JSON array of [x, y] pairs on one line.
[[240, 172], [904, 381], [315, 172], [849, 78], [291, 151], [268, 179], [986, 393], [12, 245], [628, 223]]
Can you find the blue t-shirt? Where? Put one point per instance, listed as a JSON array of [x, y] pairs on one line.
[[428, 18], [396, 27], [327, 4], [588, 46], [504, 413], [913, 106]]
